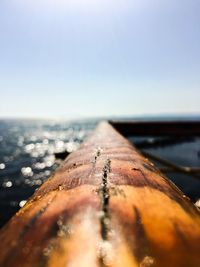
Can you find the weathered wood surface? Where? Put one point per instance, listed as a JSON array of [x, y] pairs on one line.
[[106, 206]]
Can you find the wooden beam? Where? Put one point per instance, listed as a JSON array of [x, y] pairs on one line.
[[105, 206]]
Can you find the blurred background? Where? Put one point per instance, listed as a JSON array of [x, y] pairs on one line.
[[66, 64], [84, 58]]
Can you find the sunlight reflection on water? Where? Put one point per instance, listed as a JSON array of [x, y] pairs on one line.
[[27, 156]]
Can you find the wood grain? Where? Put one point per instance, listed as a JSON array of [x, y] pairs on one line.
[[105, 206]]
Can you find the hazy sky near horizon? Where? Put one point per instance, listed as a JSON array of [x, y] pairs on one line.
[[76, 58]]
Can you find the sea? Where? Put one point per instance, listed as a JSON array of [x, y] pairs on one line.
[[28, 149]]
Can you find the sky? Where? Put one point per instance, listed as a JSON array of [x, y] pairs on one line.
[[91, 58]]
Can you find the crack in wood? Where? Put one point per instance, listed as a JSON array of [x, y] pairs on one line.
[[104, 219], [98, 154]]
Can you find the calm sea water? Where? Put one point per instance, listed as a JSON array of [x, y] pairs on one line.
[[27, 158]]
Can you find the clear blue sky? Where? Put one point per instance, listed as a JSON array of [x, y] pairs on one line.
[[71, 58]]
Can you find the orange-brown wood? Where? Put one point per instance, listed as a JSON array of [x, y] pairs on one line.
[[105, 206]]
